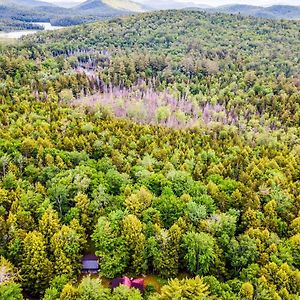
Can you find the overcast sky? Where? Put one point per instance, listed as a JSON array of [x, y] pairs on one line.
[[210, 2]]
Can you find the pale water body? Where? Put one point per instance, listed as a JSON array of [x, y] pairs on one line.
[[19, 33]]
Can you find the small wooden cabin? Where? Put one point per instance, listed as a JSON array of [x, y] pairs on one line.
[[90, 264]]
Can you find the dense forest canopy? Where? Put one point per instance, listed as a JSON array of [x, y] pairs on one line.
[[167, 143]]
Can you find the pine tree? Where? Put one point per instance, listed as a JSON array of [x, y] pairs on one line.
[[49, 224], [36, 269], [82, 202], [135, 241], [66, 246]]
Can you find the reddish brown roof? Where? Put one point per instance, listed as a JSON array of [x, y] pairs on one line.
[[137, 283]]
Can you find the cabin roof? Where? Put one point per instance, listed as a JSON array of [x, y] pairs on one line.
[[90, 262], [90, 257], [90, 265], [132, 283]]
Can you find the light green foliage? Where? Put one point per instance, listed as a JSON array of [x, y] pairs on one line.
[[200, 252], [166, 203], [162, 114], [116, 181], [135, 242], [66, 95], [124, 293], [69, 292], [10, 291], [66, 246], [49, 224], [137, 203], [246, 291], [223, 226], [82, 203], [242, 252], [91, 289], [181, 182], [196, 212], [56, 286], [183, 289], [164, 248], [36, 269], [110, 246]]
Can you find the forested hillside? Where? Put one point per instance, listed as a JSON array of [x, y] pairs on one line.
[[17, 14], [15, 17], [167, 144]]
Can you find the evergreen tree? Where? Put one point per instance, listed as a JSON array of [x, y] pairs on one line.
[[135, 242], [36, 269]]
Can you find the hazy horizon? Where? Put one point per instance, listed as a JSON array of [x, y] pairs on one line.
[[207, 2]]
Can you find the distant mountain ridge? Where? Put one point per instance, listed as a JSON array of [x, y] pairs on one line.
[[26, 3], [171, 4], [110, 5], [270, 12]]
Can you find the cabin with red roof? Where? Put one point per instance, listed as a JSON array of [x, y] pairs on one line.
[[137, 283]]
